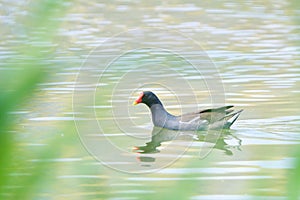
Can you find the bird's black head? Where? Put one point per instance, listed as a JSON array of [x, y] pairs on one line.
[[148, 98]]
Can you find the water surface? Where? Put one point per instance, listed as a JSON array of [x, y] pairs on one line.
[[252, 45]]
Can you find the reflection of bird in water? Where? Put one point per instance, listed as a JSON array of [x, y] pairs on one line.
[[160, 135], [220, 140]]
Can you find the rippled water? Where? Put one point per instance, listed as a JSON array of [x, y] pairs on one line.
[[254, 52]]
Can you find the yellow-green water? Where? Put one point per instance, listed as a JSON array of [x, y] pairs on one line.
[[255, 50]]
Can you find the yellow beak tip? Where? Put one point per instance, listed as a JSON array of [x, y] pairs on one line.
[[134, 103]]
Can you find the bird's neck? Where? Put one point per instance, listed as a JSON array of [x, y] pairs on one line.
[[154, 102], [159, 115]]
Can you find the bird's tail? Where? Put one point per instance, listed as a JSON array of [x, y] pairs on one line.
[[230, 119]]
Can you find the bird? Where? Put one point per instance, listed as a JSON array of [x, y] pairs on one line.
[[207, 119]]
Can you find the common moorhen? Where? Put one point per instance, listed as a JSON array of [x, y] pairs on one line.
[[214, 118]]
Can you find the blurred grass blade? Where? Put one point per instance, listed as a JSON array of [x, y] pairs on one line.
[[294, 183], [19, 80]]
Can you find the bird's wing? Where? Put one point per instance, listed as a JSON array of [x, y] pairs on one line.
[[211, 115]]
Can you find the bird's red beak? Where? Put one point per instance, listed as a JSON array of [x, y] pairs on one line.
[[139, 99]]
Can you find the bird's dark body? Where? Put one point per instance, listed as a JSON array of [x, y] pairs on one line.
[[215, 118]]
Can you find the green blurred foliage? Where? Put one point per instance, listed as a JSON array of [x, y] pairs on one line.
[[17, 84], [294, 177], [294, 180]]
